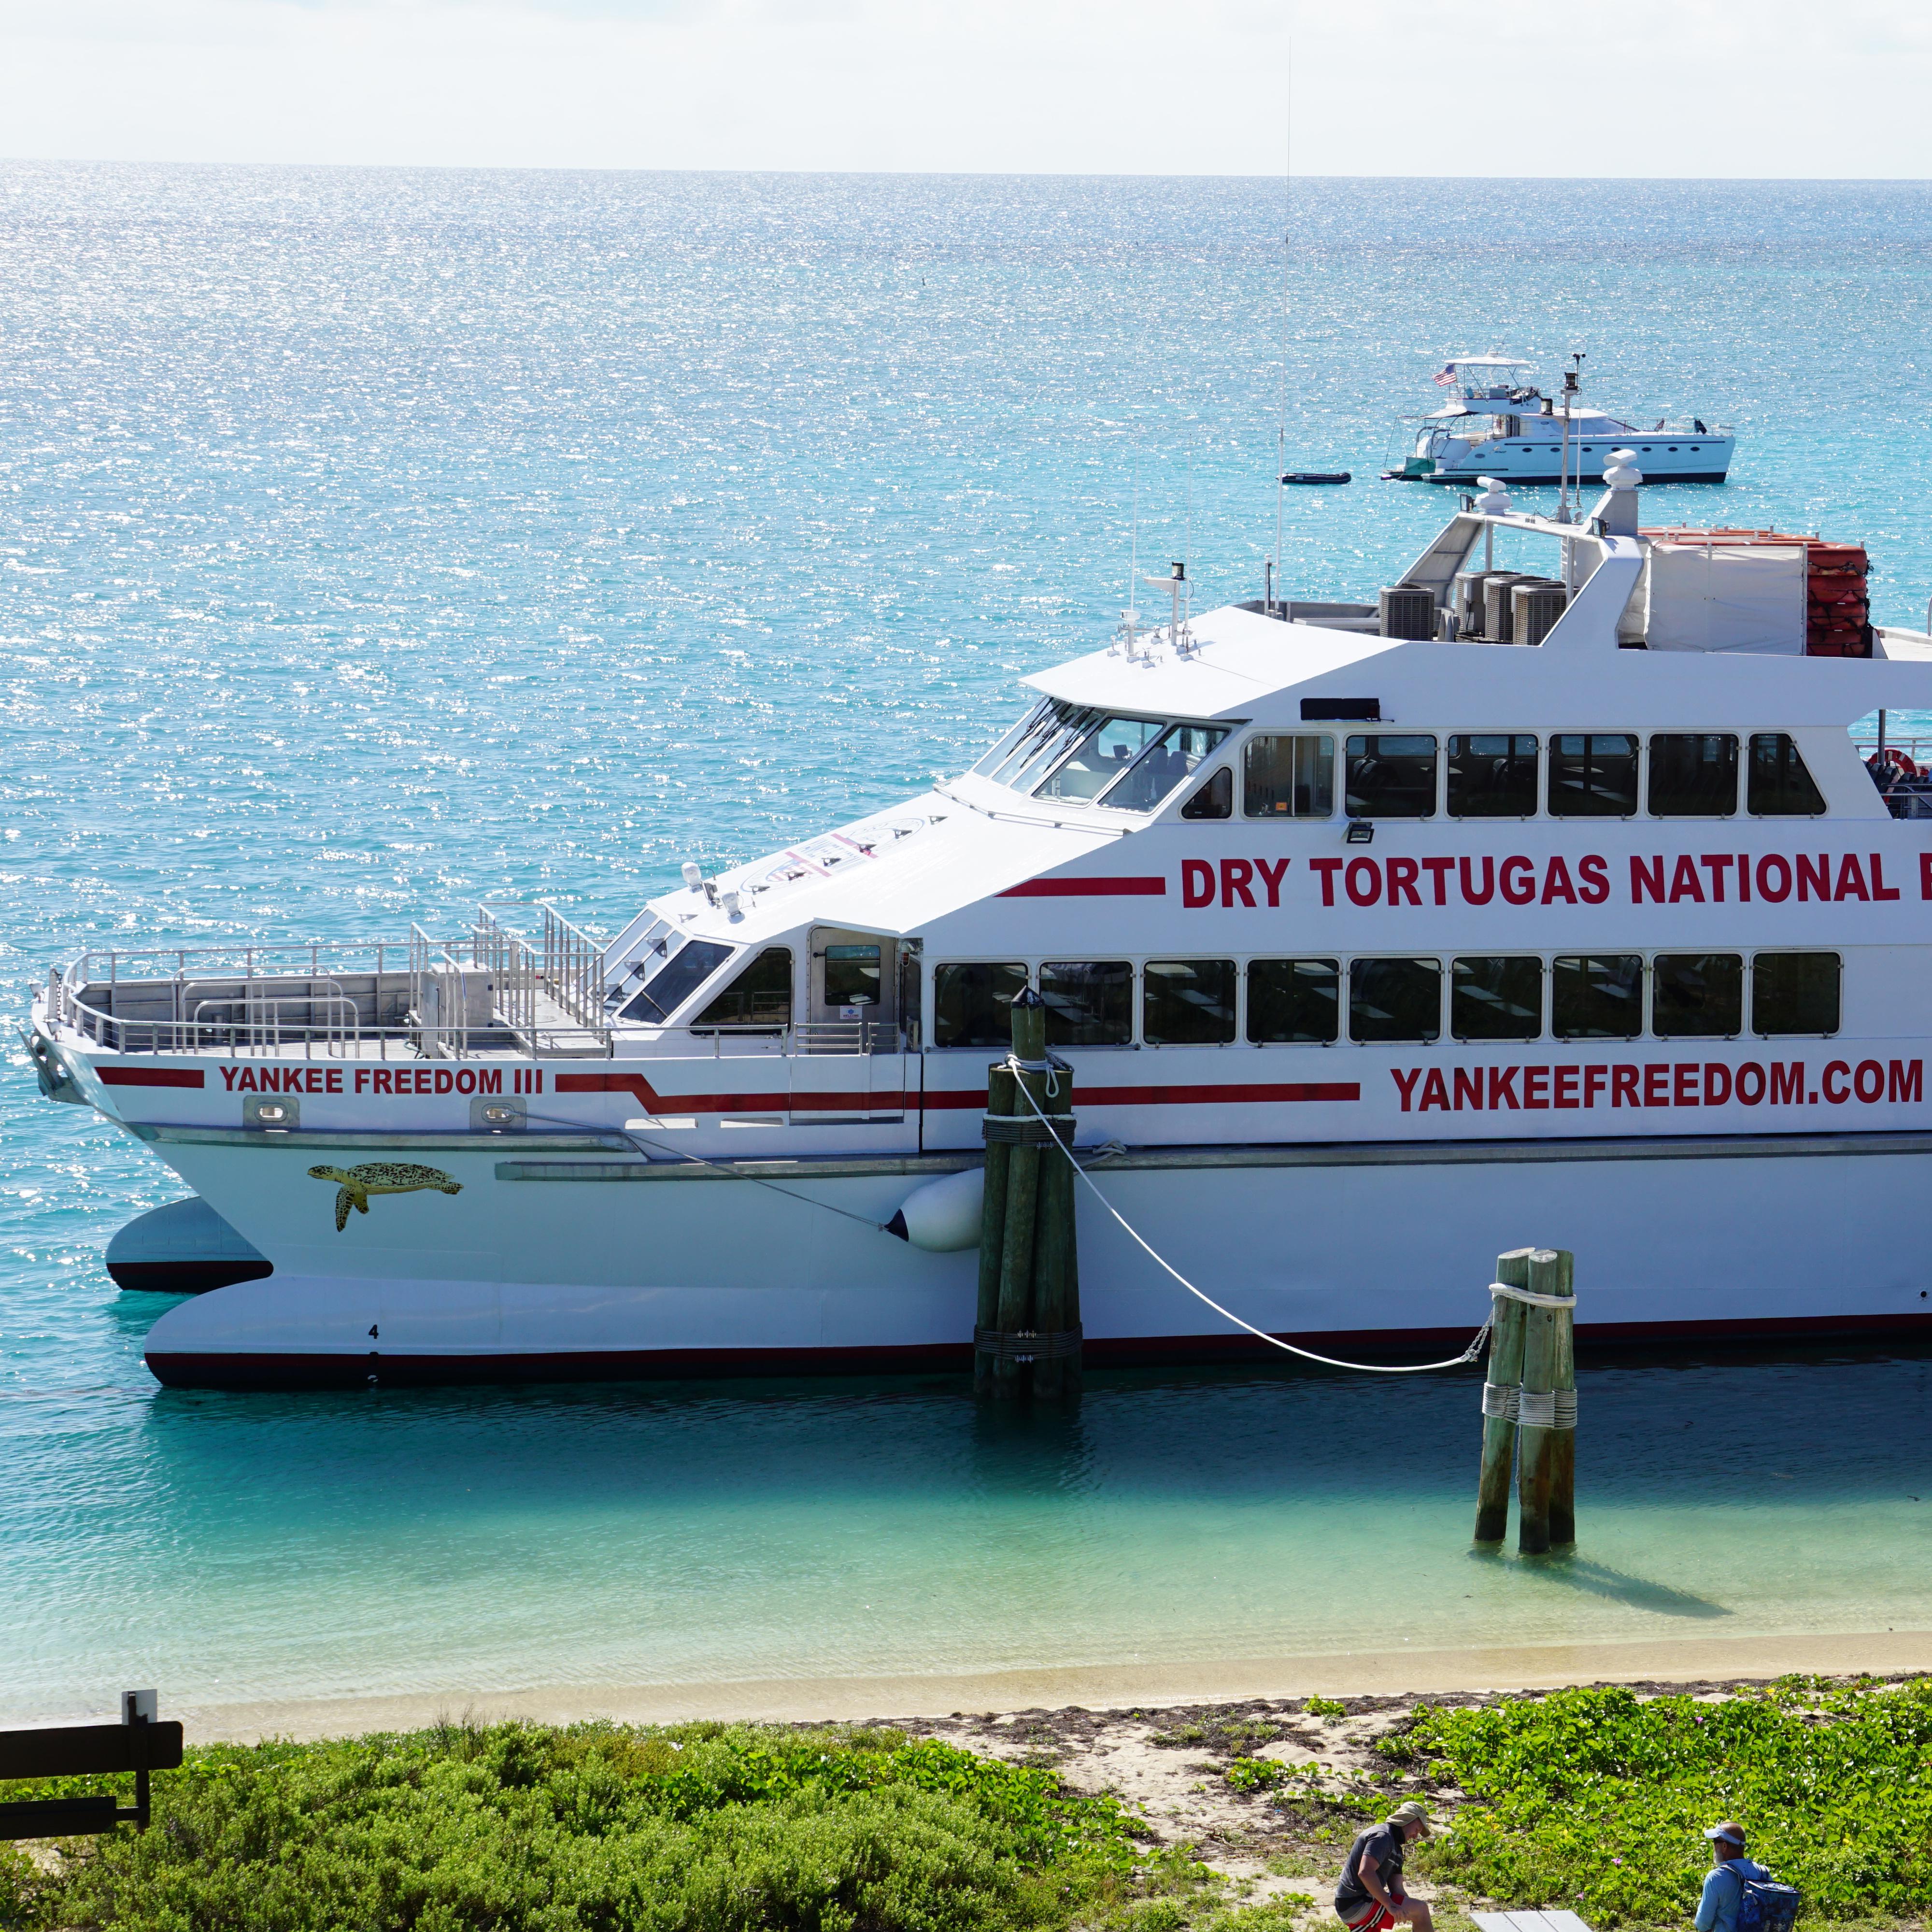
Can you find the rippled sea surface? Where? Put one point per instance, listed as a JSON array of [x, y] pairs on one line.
[[373, 541]]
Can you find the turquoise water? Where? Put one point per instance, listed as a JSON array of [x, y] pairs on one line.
[[370, 541]]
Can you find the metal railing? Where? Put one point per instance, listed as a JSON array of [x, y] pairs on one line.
[[262, 1024], [507, 999], [440, 997]]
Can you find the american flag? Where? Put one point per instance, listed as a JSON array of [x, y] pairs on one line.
[[1446, 375]]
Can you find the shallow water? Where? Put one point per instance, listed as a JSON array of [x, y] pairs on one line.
[[371, 541]]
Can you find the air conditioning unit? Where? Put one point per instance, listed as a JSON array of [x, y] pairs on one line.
[[1408, 611]]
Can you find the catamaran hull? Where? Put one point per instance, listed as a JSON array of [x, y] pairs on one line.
[[1384, 1250], [1468, 479]]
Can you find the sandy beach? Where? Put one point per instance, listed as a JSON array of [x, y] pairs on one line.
[[928, 1700]]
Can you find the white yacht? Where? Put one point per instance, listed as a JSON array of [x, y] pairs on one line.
[[1497, 422], [1555, 908]]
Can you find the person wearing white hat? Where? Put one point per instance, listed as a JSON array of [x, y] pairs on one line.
[[1369, 1897], [1724, 1883]]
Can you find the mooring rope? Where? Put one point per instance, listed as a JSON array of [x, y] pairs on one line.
[[641, 1141], [1468, 1354]]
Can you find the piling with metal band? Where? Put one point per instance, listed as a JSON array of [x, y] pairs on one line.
[[1002, 1097], [1499, 1399], [1552, 1272]]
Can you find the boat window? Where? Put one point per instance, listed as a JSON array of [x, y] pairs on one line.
[[1794, 993], [1188, 1002], [971, 1004], [1395, 1000], [1495, 999], [1390, 776], [1049, 736], [1088, 1004], [1289, 777], [760, 996], [1593, 775], [852, 976], [1293, 1000], [1100, 758], [1006, 745], [1779, 786], [1697, 995], [676, 980], [1215, 799], [1597, 997], [1492, 775], [1693, 775], [1172, 759]]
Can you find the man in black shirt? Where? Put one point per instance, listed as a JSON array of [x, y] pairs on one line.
[[1369, 1897]]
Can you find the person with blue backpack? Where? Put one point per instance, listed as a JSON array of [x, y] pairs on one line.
[[1739, 1895]]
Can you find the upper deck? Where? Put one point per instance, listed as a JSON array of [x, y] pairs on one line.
[[1078, 828]]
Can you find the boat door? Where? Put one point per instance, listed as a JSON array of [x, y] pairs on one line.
[[851, 1055]]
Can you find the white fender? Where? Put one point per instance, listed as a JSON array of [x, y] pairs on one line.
[[943, 1216]]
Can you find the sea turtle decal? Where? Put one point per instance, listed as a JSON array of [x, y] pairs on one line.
[[379, 1177]]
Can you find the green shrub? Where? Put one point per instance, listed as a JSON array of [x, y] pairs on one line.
[[1326, 1707], [1255, 1774], [523, 1828], [1596, 1800]]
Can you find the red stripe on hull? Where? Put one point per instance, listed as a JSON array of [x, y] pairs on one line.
[[152, 1076], [641, 1090], [1088, 889], [1180, 1096], [291, 1371]]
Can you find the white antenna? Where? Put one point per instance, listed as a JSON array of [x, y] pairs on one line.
[[1130, 616], [1287, 263], [1187, 519]]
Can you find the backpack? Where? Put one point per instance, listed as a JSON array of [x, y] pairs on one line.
[[1765, 1906]]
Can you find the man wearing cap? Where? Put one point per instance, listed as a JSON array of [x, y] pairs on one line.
[[1724, 1883], [1369, 1897]]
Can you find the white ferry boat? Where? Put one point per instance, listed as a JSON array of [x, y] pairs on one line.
[[1374, 955], [1497, 422]]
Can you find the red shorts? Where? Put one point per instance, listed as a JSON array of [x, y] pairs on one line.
[[1379, 1919]]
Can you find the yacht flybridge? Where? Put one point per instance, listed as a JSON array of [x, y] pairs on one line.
[[1382, 937], [1497, 422]]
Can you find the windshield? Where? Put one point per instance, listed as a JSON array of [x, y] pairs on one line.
[[1050, 735], [1173, 757], [1010, 742], [1100, 758]]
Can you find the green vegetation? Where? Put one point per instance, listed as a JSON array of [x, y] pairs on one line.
[[1594, 1799], [1326, 1707], [701, 1828]]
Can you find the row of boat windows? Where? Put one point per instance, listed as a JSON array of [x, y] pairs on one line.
[[1281, 1002], [1508, 775], [1207, 1004], [1074, 754], [1489, 997]]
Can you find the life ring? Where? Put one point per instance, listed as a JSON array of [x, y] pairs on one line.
[[1893, 760]]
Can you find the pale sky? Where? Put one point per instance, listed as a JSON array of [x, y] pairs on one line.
[[1776, 88]]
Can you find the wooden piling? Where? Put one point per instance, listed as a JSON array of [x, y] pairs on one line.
[[1504, 1373], [1017, 1314], [1563, 1449], [1002, 1098], [1551, 1271], [1056, 1259], [1028, 1327]]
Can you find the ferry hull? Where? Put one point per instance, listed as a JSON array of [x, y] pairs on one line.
[[1383, 1252]]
